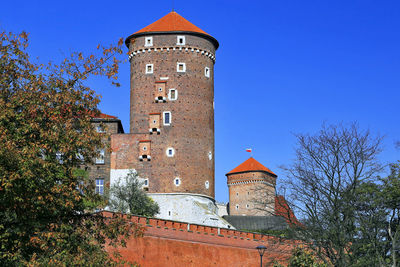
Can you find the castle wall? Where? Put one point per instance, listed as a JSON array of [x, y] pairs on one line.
[[191, 131], [251, 193], [170, 243]]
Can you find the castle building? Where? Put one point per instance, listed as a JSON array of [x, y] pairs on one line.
[[171, 139], [251, 189], [99, 171]]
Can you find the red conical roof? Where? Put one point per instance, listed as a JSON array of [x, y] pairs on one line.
[[250, 165], [172, 22]]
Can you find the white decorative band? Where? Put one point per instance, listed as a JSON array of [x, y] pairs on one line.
[[167, 49], [250, 182]]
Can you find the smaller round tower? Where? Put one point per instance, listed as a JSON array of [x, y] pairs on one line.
[[251, 189]]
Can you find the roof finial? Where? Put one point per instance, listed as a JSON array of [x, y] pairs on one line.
[[173, 2]]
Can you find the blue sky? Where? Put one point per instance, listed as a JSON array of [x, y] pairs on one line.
[[283, 67]]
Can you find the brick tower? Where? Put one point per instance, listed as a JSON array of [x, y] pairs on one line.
[[251, 189], [172, 94], [171, 140]]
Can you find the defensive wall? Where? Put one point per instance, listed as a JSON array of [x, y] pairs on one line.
[[173, 243]]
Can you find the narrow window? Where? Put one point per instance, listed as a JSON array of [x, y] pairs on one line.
[[170, 152], [180, 40], [180, 67], [100, 129], [167, 118], [100, 158], [146, 182], [148, 41], [144, 148], [100, 186], [177, 181], [237, 193], [149, 68], [207, 72], [207, 184], [237, 206], [173, 94], [247, 206]]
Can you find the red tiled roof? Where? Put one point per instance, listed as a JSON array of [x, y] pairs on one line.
[[105, 116], [250, 165], [172, 22], [282, 209]]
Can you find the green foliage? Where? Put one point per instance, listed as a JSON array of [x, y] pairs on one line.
[[378, 208], [304, 258], [127, 196], [45, 130]]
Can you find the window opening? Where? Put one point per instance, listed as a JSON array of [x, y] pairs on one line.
[[149, 68], [173, 94], [100, 158], [148, 41], [180, 40], [207, 72], [100, 186], [167, 118], [181, 67]]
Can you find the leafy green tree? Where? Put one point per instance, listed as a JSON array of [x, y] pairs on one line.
[[127, 196], [45, 130], [378, 222], [302, 257], [323, 184]]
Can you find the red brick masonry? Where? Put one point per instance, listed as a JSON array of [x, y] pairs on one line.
[[171, 243]]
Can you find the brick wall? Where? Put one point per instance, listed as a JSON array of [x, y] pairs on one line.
[[171, 243], [191, 133], [251, 193], [102, 170]]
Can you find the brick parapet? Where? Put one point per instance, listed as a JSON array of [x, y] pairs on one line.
[[196, 232], [173, 243]]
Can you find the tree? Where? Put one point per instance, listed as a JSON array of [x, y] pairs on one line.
[[302, 257], [45, 132], [378, 221], [127, 196], [323, 184]]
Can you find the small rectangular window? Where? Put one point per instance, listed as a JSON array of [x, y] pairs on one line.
[[180, 40], [148, 41], [146, 182], [100, 159], [149, 68], [180, 67], [100, 186], [167, 117], [173, 94], [100, 129], [207, 72]]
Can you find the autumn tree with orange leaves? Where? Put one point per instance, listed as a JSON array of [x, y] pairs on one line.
[[46, 215]]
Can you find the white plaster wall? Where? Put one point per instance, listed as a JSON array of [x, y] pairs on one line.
[[222, 209], [189, 208], [120, 174]]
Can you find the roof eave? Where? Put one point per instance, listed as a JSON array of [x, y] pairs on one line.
[[138, 34], [230, 173]]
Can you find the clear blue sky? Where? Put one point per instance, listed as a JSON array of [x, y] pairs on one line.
[[283, 67]]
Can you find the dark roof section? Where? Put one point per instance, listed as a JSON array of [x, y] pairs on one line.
[[105, 118]]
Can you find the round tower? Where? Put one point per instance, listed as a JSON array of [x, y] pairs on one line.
[[251, 189], [172, 115]]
